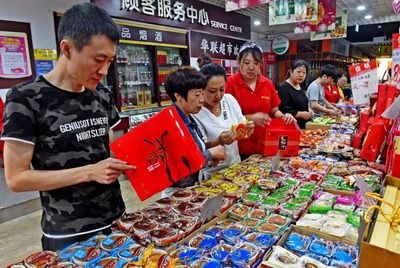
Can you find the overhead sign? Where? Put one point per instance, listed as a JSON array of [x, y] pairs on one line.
[[187, 14], [340, 30], [217, 47], [289, 11], [45, 54], [231, 5], [280, 45], [147, 35]]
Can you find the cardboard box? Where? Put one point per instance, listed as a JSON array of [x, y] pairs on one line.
[[281, 138], [313, 126], [387, 236]]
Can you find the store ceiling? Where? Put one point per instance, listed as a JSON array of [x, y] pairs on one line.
[[380, 10]]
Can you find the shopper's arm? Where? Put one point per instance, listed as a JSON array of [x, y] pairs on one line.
[[20, 177], [319, 108]]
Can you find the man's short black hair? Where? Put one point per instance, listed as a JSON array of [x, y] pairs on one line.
[[212, 69], [83, 21], [329, 70], [182, 80]]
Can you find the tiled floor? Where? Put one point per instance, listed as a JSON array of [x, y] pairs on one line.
[[21, 236]]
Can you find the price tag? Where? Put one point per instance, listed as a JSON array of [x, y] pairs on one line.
[[212, 208]]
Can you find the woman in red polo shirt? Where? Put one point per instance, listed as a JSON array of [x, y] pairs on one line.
[[256, 96], [332, 93]]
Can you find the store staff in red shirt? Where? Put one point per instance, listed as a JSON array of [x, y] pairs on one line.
[[256, 96], [332, 93]]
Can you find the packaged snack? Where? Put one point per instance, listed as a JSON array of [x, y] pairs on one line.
[[269, 228], [319, 258], [163, 236], [337, 215], [240, 130], [233, 233], [160, 258], [142, 228], [250, 223], [345, 208], [86, 256], [221, 252], [290, 210], [188, 209], [244, 253], [321, 206], [182, 194], [115, 241], [302, 192], [315, 221], [66, 253], [41, 259], [278, 220], [203, 242], [96, 240], [134, 252], [282, 258], [336, 228], [354, 219], [308, 262], [297, 243], [16, 265], [260, 239], [270, 203], [321, 247], [239, 211], [301, 201], [268, 184], [257, 214], [214, 231], [166, 201], [227, 222], [185, 224], [127, 220], [251, 199], [257, 190], [65, 264], [345, 254], [110, 262], [186, 255]]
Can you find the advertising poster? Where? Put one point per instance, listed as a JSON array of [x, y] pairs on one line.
[[396, 59], [291, 11], [43, 67], [364, 81], [231, 5], [340, 30], [14, 55], [326, 18], [396, 6]]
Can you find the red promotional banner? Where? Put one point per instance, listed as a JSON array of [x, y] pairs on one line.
[[163, 151], [364, 81], [396, 59]]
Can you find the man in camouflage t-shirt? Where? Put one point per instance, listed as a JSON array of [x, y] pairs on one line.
[[60, 123]]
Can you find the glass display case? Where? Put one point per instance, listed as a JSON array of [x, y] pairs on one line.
[[135, 76]]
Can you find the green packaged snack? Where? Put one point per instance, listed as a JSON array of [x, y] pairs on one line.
[[256, 189], [321, 206], [354, 219]]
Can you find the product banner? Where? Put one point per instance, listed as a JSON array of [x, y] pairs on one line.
[[364, 81], [340, 30], [14, 55], [231, 5], [291, 11], [396, 59], [326, 18]]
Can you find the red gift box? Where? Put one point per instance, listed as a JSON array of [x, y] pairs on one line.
[[386, 96], [282, 138], [393, 152], [163, 151], [374, 140]]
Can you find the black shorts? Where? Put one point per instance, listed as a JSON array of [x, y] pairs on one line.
[[55, 244]]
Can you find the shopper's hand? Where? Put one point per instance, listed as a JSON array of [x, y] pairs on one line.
[[107, 170], [288, 118], [227, 137], [306, 115], [250, 127], [218, 154], [260, 119], [332, 112]]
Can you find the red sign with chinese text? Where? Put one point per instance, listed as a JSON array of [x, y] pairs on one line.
[[364, 81]]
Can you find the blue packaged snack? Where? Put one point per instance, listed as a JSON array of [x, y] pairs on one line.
[[110, 262], [87, 256], [133, 252], [207, 263], [260, 239], [297, 243], [186, 255], [116, 241], [244, 253], [345, 254], [321, 247], [233, 233], [214, 231], [336, 263], [67, 252], [208, 243], [221, 252], [96, 240]]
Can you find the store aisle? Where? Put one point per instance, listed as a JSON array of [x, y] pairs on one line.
[[21, 236]]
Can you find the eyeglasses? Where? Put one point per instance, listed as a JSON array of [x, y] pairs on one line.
[[249, 45]]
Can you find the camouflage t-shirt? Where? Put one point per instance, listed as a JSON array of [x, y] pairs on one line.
[[67, 130]]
